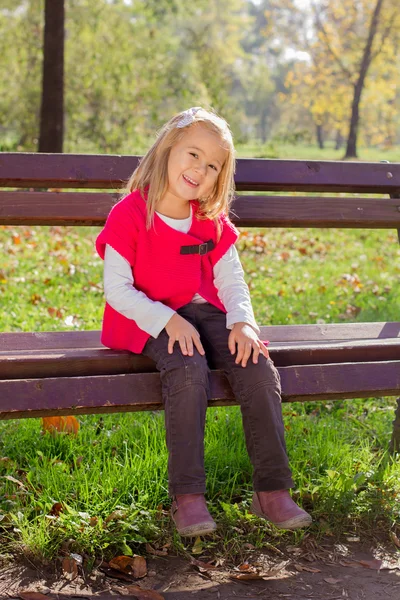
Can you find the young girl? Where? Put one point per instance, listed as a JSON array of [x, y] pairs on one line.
[[175, 292]]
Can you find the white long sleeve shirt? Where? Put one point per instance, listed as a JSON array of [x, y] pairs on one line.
[[151, 316]]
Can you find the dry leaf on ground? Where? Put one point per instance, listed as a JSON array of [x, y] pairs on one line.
[[348, 563], [374, 563], [132, 565], [246, 576], [332, 580], [394, 538], [301, 568], [70, 568], [115, 516], [246, 568], [198, 546], [144, 594], [203, 565], [11, 478], [64, 424], [56, 509]]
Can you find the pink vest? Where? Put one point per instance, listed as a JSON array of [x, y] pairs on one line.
[[159, 269]]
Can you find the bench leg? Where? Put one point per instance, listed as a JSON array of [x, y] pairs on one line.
[[395, 441]]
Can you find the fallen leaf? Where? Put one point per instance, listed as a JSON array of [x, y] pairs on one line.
[[301, 568], [11, 478], [56, 509], [309, 569], [348, 563], [32, 596], [54, 312], [63, 424], [144, 594], [394, 538], [132, 565], [332, 580], [197, 546], [115, 515], [246, 567], [70, 568], [371, 564], [246, 576], [203, 565]]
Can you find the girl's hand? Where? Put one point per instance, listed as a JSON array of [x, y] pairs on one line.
[[180, 330], [247, 341]]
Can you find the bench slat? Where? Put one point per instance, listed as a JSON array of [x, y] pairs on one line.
[[20, 169], [75, 362], [91, 208], [142, 391], [60, 340]]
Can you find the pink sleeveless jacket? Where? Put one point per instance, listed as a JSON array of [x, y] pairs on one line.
[[159, 269]]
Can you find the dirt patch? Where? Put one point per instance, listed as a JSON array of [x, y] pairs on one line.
[[320, 570]]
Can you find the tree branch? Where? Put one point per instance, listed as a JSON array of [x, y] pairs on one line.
[[385, 35], [337, 58]]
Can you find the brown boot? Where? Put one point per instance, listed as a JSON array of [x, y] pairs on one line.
[[190, 515], [279, 508]]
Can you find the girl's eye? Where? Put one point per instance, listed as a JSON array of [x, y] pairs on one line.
[[197, 156]]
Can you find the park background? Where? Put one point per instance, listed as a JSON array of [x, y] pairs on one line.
[[290, 77]]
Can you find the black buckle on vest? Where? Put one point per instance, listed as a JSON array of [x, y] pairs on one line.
[[201, 249]]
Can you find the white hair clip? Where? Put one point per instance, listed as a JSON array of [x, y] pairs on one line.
[[188, 116]]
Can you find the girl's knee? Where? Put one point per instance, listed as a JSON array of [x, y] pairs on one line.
[[185, 371], [261, 374]]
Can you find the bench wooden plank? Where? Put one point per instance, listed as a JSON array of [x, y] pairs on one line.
[[91, 208], [110, 171], [47, 340], [142, 391], [88, 361]]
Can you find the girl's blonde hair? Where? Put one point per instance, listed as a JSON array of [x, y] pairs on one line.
[[152, 172]]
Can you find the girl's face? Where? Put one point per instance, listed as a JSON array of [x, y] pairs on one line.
[[194, 164]]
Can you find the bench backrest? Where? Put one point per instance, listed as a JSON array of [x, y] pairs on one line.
[[39, 179]]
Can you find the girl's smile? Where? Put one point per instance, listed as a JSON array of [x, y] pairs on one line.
[[190, 181]]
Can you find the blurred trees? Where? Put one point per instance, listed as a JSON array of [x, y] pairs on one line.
[[352, 71], [276, 69]]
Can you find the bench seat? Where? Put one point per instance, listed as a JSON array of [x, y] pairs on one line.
[[70, 372]]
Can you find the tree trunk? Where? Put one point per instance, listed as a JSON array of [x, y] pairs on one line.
[[351, 150], [339, 140], [263, 125], [52, 106], [320, 137]]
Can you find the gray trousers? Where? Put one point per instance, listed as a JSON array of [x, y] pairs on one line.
[[185, 391]]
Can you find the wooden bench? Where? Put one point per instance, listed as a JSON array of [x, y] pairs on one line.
[[70, 372]]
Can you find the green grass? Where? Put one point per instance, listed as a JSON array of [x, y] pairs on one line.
[[51, 279], [273, 149], [338, 457]]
